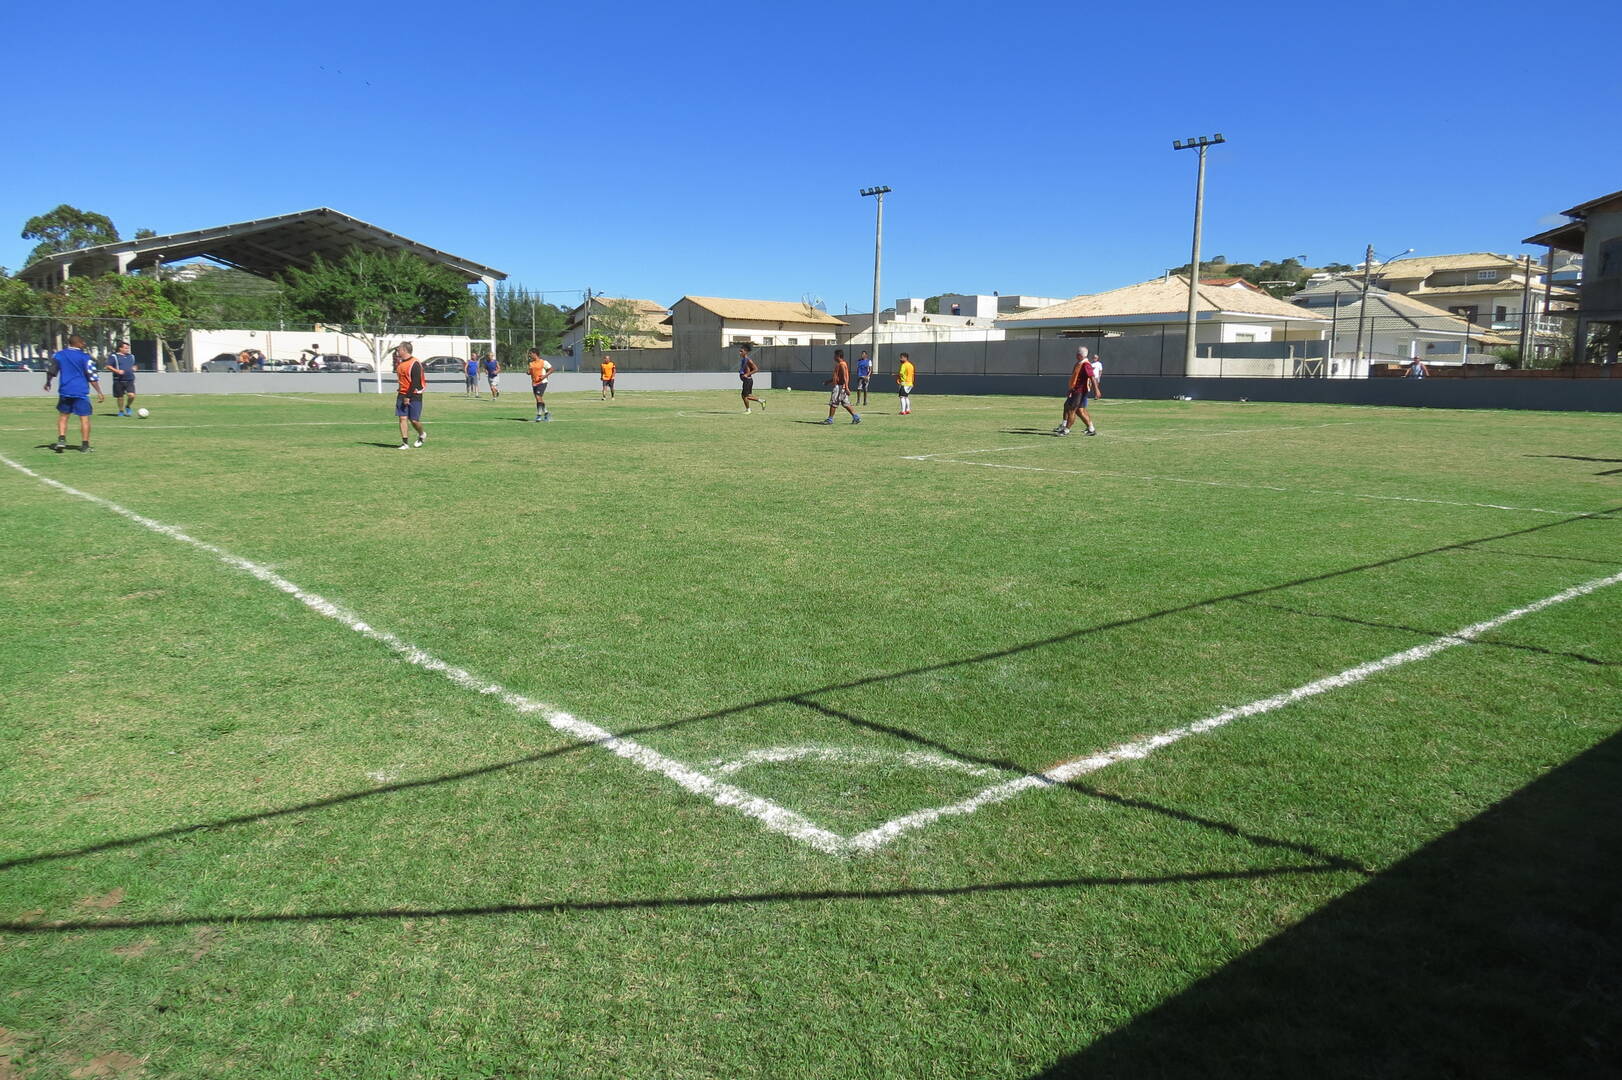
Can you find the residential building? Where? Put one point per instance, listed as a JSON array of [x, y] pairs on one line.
[[703, 326], [648, 326], [909, 323], [1389, 327], [1487, 289], [1236, 314], [1594, 231]]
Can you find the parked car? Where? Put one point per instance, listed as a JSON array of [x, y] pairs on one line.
[[441, 365], [339, 362], [223, 362], [18, 365]]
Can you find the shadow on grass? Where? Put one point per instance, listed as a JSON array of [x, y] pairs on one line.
[[802, 698], [1494, 951], [558, 907], [1028, 431]]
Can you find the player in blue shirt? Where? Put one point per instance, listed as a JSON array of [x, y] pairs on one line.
[[472, 376], [78, 374], [864, 373], [492, 373]]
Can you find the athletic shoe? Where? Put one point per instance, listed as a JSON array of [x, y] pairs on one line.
[[827, 421], [1092, 431], [546, 417], [59, 446], [857, 419], [762, 405], [84, 448], [746, 412], [403, 445], [1061, 431], [420, 440]]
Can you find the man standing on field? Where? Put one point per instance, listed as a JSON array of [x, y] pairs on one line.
[[408, 400], [123, 368], [864, 372], [472, 373], [841, 389], [540, 369], [606, 368], [1083, 386], [78, 374], [746, 375], [905, 378], [492, 374]]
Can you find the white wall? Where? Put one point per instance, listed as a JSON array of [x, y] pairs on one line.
[[779, 333], [284, 345]]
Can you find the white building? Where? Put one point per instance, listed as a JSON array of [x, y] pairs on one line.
[[702, 326]]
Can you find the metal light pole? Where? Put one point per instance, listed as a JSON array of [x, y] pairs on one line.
[[1363, 304], [1199, 144], [878, 258]]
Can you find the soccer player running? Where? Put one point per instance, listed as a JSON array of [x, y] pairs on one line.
[[408, 400], [864, 372], [122, 365], [606, 368], [1082, 387], [906, 377], [540, 369], [472, 377], [492, 375], [840, 396], [747, 368], [78, 374]]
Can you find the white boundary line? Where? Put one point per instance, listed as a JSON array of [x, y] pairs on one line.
[[774, 817], [945, 459], [779, 818], [836, 755], [1142, 748]]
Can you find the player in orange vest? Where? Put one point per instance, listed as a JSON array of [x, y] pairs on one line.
[[408, 400], [540, 369], [608, 376]]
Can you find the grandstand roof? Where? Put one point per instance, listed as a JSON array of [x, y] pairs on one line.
[[264, 246]]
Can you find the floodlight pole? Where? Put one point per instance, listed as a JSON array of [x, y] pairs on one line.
[[1200, 144], [878, 257]]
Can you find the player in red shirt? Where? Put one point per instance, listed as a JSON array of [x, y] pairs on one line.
[[1083, 386]]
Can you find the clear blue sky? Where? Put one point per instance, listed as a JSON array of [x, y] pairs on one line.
[[655, 150]]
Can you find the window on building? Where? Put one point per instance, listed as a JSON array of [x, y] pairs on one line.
[[768, 341], [743, 341], [1500, 313], [1244, 337], [793, 341], [1486, 275]]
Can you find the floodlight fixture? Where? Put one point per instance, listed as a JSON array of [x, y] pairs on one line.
[[875, 191]]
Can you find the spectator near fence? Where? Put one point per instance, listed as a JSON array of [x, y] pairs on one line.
[[1416, 370]]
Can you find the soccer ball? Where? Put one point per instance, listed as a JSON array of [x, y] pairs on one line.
[[142, 413]]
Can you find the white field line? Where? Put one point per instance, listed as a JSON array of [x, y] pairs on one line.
[[142, 425], [836, 755], [301, 400], [774, 817], [1142, 748], [943, 459]]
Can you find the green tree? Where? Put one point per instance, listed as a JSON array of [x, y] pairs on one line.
[[139, 301], [377, 291], [617, 320], [524, 320], [67, 228], [19, 298], [225, 297]]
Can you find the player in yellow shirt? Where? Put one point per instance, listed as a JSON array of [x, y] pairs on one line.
[[906, 378], [608, 370], [540, 369]]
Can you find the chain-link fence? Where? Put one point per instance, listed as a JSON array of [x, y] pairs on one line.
[[1337, 345]]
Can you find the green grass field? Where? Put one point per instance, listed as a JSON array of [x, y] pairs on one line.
[[244, 839]]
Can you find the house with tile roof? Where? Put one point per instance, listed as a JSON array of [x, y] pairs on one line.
[[649, 327], [704, 327], [1388, 326], [1594, 230], [1485, 288]]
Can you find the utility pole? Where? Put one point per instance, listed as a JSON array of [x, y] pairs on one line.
[[587, 334], [1526, 308], [878, 259], [1363, 304], [1199, 144]]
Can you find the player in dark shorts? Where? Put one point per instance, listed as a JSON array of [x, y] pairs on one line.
[[540, 370], [492, 374], [122, 364], [408, 398], [1083, 388], [78, 374], [864, 372], [747, 368]]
